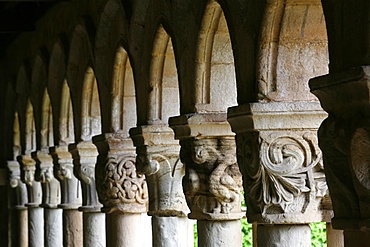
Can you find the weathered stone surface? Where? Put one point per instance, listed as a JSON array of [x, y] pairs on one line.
[[71, 194], [284, 235], [85, 155], [20, 189], [119, 185], [158, 158], [212, 182], [281, 163]]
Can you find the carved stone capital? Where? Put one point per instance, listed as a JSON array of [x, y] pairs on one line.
[[120, 186], [212, 181], [158, 158], [50, 185], [282, 166], [345, 141], [15, 182], [34, 190], [70, 186], [85, 158]]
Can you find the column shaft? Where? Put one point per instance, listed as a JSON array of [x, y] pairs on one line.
[[171, 231], [94, 229], [22, 215], [125, 230], [53, 227], [283, 235], [72, 227], [36, 226], [219, 233]]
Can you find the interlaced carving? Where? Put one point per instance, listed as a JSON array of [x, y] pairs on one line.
[[284, 172], [121, 187], [213, 182]]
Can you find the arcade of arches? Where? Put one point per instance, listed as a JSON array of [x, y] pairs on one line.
[[123, 121]]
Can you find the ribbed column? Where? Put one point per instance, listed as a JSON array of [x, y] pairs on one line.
[[212, 181], [124, 194], [158, 158]]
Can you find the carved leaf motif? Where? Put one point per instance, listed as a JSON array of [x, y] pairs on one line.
[[283, 174]]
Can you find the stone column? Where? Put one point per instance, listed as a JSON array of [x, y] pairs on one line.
[[212, 181], [124, 194], [85, 156], [20, 200], [51, 198], [158, 157], [345, 140], [282, 167], [35, 212], [71, 197]]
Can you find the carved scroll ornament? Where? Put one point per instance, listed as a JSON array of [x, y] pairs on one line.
[[283, 173]]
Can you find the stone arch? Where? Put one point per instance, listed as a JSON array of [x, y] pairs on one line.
[[80, 62], [47, 133], [17, 148], [123, 115], [56, 79], [66, 123], [111, 62], [22, 91], [163, 99], [215, 82], [293, 49], [90, 111], [30, 130], [38, 86]]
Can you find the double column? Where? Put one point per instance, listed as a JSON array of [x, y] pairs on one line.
[[212, 181], [158, 158], [284, 181], [53, 222], [124, 194], [71, 197], [85, 157], [19, 196], [345, 140], [35, 212]]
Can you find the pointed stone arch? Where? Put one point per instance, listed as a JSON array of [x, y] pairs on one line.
[[215, 82], [90, 111], [164, 97], [47, 133], [17, 148], [113, 69], [30, 130], [56, 80], [66, 123], [80, 64], [123, 112]]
